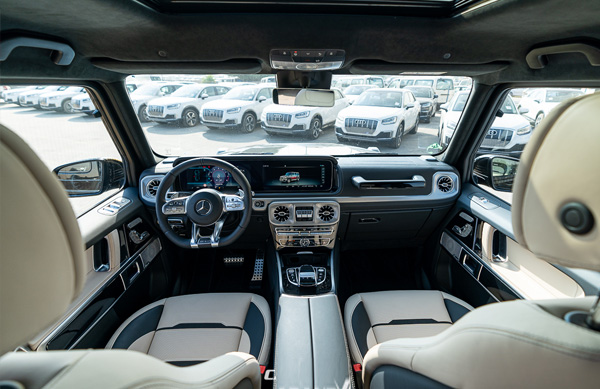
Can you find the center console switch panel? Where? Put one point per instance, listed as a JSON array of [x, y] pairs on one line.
[[304, 223]]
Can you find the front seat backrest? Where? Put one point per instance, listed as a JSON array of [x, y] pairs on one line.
[[557, 178], [524, 343], [42, 263]]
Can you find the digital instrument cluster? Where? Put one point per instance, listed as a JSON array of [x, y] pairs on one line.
[[209, 177]]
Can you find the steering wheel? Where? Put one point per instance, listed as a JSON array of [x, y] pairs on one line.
[[205, 207]]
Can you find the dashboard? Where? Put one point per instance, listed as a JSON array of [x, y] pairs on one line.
[[316, 201]]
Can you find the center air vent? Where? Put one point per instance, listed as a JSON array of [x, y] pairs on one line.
[[281, 213], [326, 213], [152, 187], [445, 184]]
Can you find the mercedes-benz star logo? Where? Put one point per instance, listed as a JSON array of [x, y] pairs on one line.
[[203, 207]]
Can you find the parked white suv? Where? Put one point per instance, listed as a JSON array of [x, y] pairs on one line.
[[240, 108], [148, 91], [60, 99], [31, 97], [185, 104], [541, 101], [83, 103], [12, 95], [379, 115], [299, 120]]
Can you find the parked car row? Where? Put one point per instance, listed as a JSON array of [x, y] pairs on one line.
[[68, 99]]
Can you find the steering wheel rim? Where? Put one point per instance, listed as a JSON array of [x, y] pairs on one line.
[[214, 240]]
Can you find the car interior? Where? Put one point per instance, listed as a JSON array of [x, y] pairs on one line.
[[158, 255]]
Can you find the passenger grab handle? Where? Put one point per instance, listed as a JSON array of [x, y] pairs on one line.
[[415, 182]]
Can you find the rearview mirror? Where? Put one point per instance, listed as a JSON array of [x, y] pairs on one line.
[[444, 107], [523, 110], [304, 97], [435, 96], [91, 177], [261, 99], [497, 172], [204, 96], [410, 105]]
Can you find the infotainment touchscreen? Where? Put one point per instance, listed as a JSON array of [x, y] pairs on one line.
[[310, 175]]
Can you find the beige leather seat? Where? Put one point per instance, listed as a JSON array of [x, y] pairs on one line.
[[187, 330], [42, 269], [376, 317], [524, 343]]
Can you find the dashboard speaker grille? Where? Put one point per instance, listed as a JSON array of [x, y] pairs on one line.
[[326, 213], [281, 213], [445, 184], [152, 187]]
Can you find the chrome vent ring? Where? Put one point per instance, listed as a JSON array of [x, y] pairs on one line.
[[326, 213], [281, 213], [445, 184]]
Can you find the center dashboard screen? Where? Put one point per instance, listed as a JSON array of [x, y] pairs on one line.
[[298, 175]]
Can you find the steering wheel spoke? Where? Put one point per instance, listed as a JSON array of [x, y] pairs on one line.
[[233, 203], [176, 206], [198, 240]]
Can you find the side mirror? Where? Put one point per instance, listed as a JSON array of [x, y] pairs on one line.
[[444, 107], [91, 177], [523, 110], [204, 96], [261, 99], [435, 96], [497, 172], [409, 105]]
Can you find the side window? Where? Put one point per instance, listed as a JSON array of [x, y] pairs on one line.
[[210, 91], [337, 94], [404, 83], [444, 84], [221, 90], [264, 93], [56, 122], [505, 140], [166, 90], [410, 98]]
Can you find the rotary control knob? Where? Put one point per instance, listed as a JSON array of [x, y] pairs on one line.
[[304, 242]]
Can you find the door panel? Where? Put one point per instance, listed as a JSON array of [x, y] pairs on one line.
[[478, 237], [122, 248]]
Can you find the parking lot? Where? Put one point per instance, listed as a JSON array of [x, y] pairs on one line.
[[60, 138]]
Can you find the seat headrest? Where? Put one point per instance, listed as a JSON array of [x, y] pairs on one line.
[[556, 193], [42, 265]]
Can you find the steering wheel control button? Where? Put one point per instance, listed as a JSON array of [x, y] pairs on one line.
[[576, 218]]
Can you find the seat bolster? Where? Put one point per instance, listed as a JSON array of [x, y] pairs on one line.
[[130, 330], [263, 309], [356, 321], [125, 369], [510, 344]]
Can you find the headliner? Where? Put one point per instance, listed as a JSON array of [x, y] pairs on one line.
[[126, 36]]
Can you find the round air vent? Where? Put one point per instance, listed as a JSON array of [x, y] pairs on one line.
[[152, 187], [281, 213], [445, 184], [326, 213]]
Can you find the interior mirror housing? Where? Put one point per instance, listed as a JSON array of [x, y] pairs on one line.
[[496, 172], [91, 177], [304, 97]]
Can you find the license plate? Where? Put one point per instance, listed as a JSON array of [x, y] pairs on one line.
[[278, 117]]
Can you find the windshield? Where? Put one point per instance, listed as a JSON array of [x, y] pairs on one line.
[[380, 99], [424, 82], [241, 93], [190, 91], [421, 92], [558, 96], [209, 122], [460, 102], [147, 89], [356, 89]]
